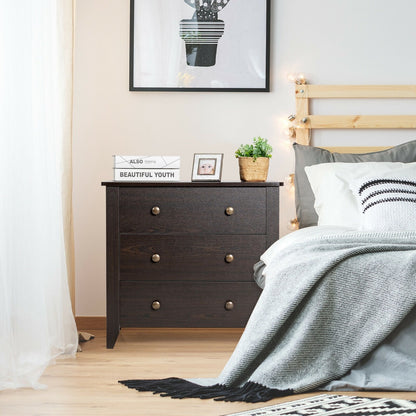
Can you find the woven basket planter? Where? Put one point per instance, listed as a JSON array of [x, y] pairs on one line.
[[253, 170]]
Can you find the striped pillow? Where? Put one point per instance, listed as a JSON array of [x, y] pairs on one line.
[[387, 204]]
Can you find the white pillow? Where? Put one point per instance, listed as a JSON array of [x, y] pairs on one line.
[[335, 202], [388, 202]]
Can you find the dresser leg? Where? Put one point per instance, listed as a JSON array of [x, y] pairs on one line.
[[113, 262], [112, 334]]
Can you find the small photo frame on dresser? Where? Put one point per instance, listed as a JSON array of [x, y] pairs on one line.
[[207, 167]]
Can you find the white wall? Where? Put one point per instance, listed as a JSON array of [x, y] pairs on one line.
[[330, 41]]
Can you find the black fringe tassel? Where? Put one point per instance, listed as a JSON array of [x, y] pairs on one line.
[[178, 388]]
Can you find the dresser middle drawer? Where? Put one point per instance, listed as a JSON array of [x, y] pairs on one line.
[[196, 257]]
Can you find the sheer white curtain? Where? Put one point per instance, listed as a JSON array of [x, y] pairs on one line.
[[36, 320]]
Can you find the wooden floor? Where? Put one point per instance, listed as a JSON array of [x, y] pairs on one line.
[[88, 384]]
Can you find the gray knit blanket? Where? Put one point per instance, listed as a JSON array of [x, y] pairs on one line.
[[329, 299]]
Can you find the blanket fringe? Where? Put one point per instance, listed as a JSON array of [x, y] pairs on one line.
[[178, 388]]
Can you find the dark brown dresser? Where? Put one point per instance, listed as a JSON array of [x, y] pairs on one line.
[[182, 254]]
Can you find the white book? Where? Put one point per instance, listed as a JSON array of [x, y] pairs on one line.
[[147, 162], [147, 175]]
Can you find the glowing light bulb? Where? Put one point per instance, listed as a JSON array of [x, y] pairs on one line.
[[289, 182], [293, 224], [291, 77], [300, 79]]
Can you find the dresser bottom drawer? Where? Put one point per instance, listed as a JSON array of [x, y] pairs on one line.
[[187, 304]]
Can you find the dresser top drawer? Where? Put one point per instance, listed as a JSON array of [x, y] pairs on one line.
[[205, 210]]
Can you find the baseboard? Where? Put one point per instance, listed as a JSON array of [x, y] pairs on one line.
[[91, 322], [100, 322]]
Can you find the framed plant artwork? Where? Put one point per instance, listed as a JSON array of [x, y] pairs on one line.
[[199, 45], [207, 167]]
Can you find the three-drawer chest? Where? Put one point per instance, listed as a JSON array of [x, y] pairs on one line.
[[182, 254]]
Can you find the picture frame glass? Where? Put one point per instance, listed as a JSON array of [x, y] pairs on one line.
[[207, 166], [208, 45]]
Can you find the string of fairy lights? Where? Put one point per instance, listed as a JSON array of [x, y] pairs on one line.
[[291, 124]]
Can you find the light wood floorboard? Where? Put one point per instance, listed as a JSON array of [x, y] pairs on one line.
[[88, 384]]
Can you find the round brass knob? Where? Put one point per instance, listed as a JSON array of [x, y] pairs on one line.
[[156, 210], [155, 305], [229, 305], [229, 211], [229, 258], [155, 258]]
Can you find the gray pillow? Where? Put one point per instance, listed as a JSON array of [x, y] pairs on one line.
[[309, 155]]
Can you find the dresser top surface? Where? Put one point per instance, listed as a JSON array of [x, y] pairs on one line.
[[192, 184]]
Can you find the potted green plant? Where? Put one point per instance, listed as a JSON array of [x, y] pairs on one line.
[[253, 160]]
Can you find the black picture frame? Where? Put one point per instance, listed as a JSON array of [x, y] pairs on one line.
[[222, 46]]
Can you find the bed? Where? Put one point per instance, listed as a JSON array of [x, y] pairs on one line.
[[338, 306], [321, 201], [392, 366]]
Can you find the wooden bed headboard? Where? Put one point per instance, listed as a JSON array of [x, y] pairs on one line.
[[304, 121]]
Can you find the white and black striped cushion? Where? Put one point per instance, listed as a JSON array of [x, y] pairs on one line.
[[387, 203]]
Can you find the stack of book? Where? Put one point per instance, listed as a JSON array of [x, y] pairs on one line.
[[147, 168]]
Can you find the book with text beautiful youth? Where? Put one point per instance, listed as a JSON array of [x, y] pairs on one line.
[[147, 168]]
